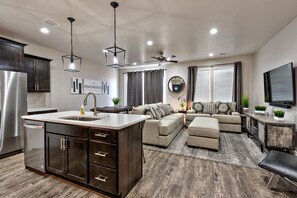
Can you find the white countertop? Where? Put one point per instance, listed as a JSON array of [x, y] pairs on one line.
[[108, 121], [36, 109]]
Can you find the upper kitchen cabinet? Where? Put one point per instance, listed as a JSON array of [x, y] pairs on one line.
[[38, 73], [11, 55]]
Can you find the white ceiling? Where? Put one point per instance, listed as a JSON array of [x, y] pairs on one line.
[[179, 27]]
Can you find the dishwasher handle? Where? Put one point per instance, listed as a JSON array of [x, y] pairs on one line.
[[29, 126]]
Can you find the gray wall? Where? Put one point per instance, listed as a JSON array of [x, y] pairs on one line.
[[281, 49], [180, 69]]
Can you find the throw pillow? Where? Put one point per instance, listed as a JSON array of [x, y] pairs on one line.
[[162, 112], [157, 113], [170, 108], [223, 108], [166, 109], [149, 111], [232, 106], [209, 107], [198, 107]]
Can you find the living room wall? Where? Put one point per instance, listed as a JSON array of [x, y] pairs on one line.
[[180, 69], [281, 49]]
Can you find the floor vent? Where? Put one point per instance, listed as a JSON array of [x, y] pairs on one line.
[[50, 22]]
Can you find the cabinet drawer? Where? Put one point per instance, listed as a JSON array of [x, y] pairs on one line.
[[108, 136], [70, 130], [103, 154], [103, 178]]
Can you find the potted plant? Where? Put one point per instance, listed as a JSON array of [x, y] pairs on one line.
[[279, 115], [116, 101], [260, 109], [245, 103], [182, 102]]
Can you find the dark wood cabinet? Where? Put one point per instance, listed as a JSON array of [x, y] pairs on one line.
[[11, 55], [38, 73], [65, 155]]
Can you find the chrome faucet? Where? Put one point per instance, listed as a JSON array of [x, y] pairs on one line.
[[95, 103]]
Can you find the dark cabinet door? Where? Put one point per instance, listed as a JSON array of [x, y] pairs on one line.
[[76, 159], [30, 70], [54, 153], [42, 75], [11, 55]]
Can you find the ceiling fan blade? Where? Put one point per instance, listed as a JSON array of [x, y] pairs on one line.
[[151, 61], [172, 56], [155, 57], [172, 61]]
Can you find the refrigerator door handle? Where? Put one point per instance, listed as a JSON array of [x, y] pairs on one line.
[[33, 126]]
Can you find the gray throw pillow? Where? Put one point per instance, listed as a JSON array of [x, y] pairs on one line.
[[157, 112], [209, 107], [223, 108], [149, 111], [198, 107], [170, 108], [166, 109]]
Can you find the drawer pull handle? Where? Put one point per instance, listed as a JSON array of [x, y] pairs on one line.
[[101, 135], [101, 178], [101, 154]]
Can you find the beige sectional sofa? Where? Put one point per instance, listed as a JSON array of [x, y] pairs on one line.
[[160, 130], [229, 119]]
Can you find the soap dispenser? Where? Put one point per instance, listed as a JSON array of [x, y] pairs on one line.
[[82, 110]]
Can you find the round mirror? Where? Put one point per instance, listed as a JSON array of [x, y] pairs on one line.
[[176, 84]]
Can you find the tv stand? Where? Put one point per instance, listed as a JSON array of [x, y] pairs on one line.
[[270, 133]]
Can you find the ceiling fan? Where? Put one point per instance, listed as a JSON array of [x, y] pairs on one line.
[[162, 59]]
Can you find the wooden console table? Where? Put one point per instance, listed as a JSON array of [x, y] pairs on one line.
[[270, 133], [113, 109]]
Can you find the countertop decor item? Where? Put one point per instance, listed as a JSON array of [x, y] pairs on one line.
[[115, 56], [72, 63], [279, 115]]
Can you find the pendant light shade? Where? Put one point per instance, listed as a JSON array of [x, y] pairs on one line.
[[115, 56], [71, 62]]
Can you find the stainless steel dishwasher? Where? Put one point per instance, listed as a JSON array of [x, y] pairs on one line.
[[34, 145]]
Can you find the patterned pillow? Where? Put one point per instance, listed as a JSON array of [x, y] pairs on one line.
[[198, 107], [162, 112], [232, 106], [209, 107], [223, 108], [157, 112], [149, 111]]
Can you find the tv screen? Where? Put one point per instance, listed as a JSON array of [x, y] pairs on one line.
[[279, 86]]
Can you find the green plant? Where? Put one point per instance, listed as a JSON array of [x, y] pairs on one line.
[[183, 103], [245, 101], [260, 108], [116, 101], [279, 113]]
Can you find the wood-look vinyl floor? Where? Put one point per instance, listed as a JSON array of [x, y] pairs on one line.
[[164, 175]]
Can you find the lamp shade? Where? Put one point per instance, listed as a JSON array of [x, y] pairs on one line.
[[71, 64], [115, 57]]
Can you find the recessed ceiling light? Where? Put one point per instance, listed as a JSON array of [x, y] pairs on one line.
[[213, 31], [44, 30], [104, 51], [134, 63], [210, 54], [149, 43]]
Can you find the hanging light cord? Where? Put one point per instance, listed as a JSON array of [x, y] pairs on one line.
[[71, 55], [115, 31]]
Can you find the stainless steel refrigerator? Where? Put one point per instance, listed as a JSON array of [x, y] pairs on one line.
[[13, 105]]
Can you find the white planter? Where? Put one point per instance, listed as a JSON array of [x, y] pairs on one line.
[[245, 109], [259, 112], [279, 119]]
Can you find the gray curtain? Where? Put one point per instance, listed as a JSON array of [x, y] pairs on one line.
[[191, 83], [237, 86], [153, 86], [134, 89]]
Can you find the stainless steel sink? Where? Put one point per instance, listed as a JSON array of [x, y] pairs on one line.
[[81, 118]]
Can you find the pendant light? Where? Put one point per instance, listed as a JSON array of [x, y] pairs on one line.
[[71, 63], [115, 56]]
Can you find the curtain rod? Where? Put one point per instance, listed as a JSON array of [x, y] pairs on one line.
[[214, 64], [145, 70]]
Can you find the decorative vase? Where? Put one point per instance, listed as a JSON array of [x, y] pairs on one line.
[[245, 109], [279, 119], [116, 105]]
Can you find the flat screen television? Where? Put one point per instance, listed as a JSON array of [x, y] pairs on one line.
[[279, 86]]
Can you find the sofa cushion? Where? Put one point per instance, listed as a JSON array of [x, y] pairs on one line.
[[190, 117], [209, 107], [223, 108], [138, 110], [198, 107], [167, 126], [176, 117], [227, 119]]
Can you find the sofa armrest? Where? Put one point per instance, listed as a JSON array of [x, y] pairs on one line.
[[150, 132], [235, 113], [191, 111]]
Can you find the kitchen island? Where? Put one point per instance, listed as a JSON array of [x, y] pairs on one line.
[[103, 152]]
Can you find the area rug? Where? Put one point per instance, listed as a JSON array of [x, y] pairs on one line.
[[236, 149]]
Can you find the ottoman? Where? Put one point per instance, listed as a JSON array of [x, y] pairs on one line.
[[204, 132]]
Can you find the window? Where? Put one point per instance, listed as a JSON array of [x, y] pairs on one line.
[[214, 84]]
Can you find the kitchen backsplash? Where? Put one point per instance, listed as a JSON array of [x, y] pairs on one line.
[[36, 100]]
